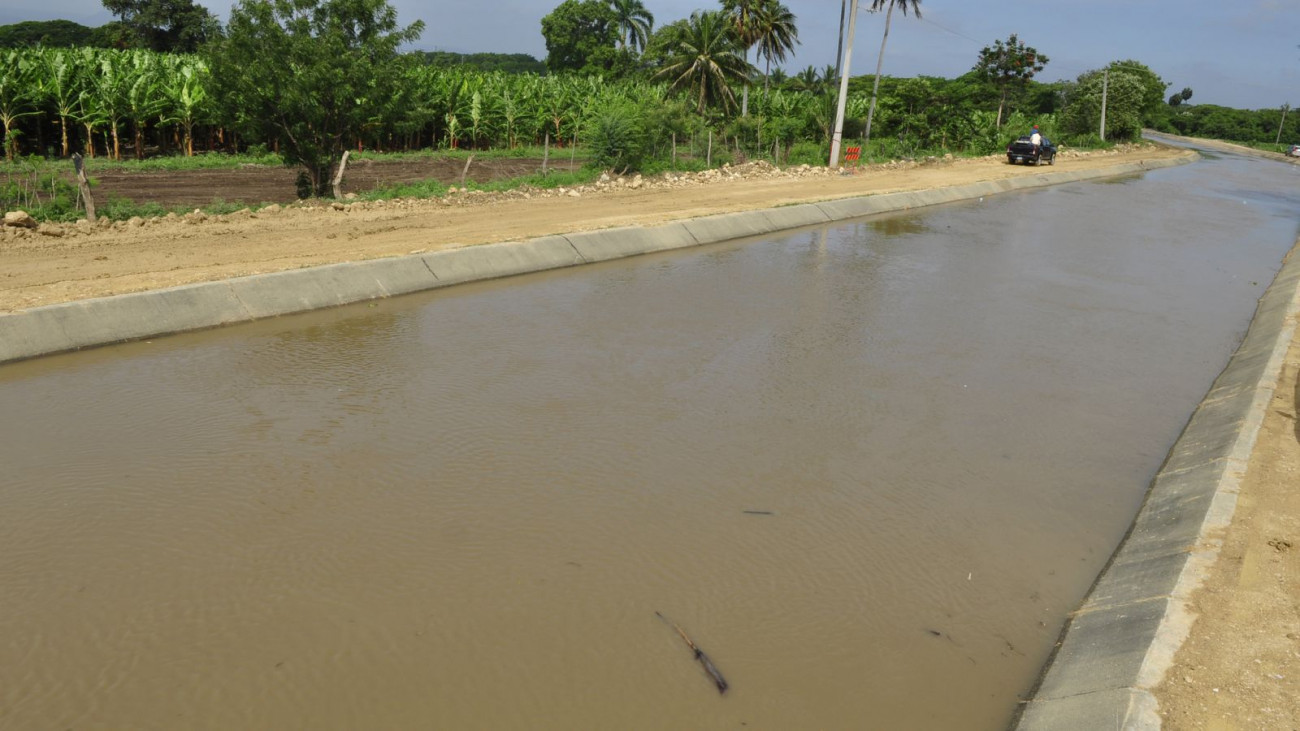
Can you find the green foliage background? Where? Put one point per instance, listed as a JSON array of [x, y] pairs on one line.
[[340, 82]]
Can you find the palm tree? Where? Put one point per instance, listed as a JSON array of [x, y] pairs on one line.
[[777, 35], [807, 80], [743, 15], [876, 5], [634, 23], [703, 55]]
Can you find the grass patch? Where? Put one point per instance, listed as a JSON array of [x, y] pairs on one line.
[[1280, 148], [206, 161]]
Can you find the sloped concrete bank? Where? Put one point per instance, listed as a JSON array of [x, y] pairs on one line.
[[103, 321], [1120, 644]]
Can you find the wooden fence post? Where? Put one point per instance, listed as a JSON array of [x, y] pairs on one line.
[[465, 170], [83, 186], [338, 176]]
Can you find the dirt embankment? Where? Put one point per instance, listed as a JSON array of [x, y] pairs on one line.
[[61, 263], [1240, 668]]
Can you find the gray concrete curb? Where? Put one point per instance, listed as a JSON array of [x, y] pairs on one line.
[[88, 323], [1120, 644]]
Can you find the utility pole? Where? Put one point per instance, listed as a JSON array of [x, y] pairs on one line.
[[1105, 83], [839, 50], [844, 87], [1285, 109]]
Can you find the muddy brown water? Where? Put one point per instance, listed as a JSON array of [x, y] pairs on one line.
[[868, 469]]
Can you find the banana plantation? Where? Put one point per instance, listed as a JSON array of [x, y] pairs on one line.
[[133, 103], [97, 101]]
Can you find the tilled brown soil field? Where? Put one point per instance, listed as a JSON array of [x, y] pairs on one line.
[[253, 184]]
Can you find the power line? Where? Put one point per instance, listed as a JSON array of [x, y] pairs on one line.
[[923, 19]]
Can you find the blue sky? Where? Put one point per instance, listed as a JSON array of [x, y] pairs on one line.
[[1244, 54]]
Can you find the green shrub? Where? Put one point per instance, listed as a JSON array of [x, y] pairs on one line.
[[28, 186], [1087, 141], [807, 153], [616, 136]]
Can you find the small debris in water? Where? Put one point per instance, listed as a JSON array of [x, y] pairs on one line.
[[759, 512], [704, 660]]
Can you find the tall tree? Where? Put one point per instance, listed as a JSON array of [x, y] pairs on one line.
[[1009, 65], [703, 56], [876, 5], [634, 22], [743, 16], [327, 68], [581, 36], [777, 35], [179, 26], [1128, 92], [47, 33]]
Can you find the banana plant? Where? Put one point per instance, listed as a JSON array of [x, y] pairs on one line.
[[64, 75], [106, 99], [477, 123], [428, 99], [457, 108], [186, 89], [18, 86], [145, 95]]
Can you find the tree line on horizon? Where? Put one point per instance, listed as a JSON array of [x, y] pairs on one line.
[[172, 78]]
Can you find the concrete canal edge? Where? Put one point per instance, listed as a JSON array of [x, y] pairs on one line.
[[107, 320], [1118, 646]]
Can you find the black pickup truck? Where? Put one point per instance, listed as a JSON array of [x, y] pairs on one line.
[[1022, 150]]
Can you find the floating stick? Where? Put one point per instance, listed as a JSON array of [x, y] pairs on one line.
[[709, 668]]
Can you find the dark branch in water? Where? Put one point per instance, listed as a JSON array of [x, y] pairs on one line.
[[708, 665]]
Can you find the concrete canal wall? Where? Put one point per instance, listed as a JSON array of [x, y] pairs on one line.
[[1119, 645]]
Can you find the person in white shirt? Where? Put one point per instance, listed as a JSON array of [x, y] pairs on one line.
[[1035, 137]]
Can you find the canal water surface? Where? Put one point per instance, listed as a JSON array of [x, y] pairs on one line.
[[868, 469]]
